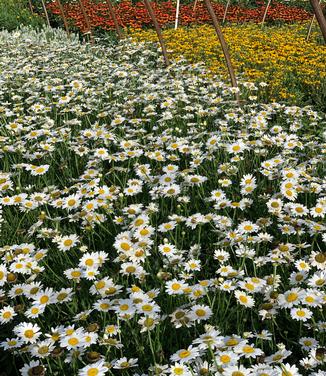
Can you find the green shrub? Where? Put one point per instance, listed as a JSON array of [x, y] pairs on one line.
[[14, 13]]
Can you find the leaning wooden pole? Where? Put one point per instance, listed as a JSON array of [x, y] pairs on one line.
[[30, 5], [310, 28], [177, 15], [62, 11], [114, 18], [158, 31], [266, 11], [319, 16], [46, 13], [226, 10], [88, 24], [224, 46]]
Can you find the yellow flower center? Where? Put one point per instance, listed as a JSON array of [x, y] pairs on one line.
[[124, 364], [148, 322], [100, 285], [29, 333], [250, 286], [44, 299], [184, 354], [7, 315], [292, 297], [67, 242], [232, 342], [139, 222], [175, 286], [43, 350], [73, 341], [125, 246], [110, 291], [225, 359], [243, 299], [89, 262], [147, 308], [130, 269], [200, 312], [144, 232], [92, 372], [248, 349]]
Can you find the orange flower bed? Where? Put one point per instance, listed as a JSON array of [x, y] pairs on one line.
[[136, 16]]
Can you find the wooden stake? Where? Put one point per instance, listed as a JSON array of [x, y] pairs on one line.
[[63, 17], [158, 31], [266, 10], [46, 13], [30, 6], [226, 10], [320, 16], [89, 27], [224, 46], [177, 14], [115, 20], [310, 28]]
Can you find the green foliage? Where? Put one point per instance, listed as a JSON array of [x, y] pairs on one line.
[[14, 13]]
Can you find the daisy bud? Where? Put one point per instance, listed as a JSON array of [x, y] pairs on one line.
[[165, 276], [37, 371], [267, 306], [94, 327], [19, 308], [11, 277], [57, 352], [93, 356], [321, 258], [274, 295], [42, 215], [321, 354]]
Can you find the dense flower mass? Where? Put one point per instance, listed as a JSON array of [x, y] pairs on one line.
[[277, 55], [149, 224], [135, 14]]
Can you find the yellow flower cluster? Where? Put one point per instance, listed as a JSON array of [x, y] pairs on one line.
[[278, 55]]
